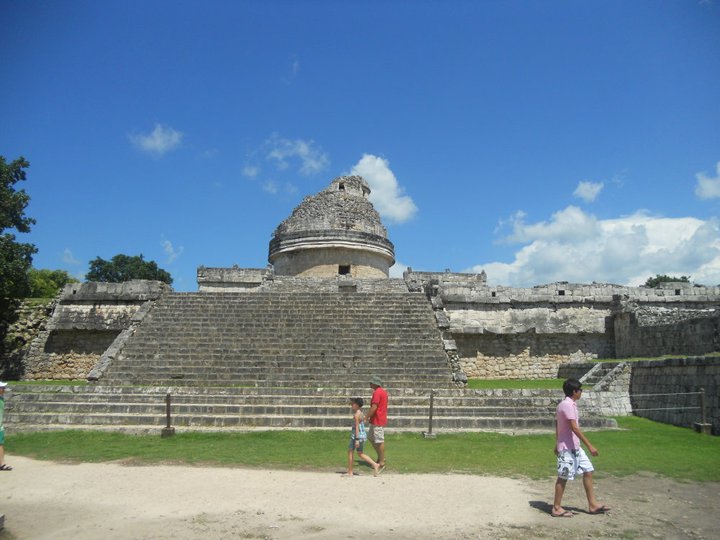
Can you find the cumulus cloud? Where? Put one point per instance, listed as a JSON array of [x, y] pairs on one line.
[[577, 247], [306, 154], [708, 187], [386, 194], [68, 257], [588, 191], [171, 251], [159, 141], [397, 269]]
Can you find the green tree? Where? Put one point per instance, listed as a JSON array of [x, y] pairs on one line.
[[124, 268], [15, 257], [655, 282], [47, 283]]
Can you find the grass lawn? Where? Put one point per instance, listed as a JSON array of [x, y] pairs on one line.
[[641, 445], [516, 384]]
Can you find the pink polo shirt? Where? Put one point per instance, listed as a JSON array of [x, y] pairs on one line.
[[566, 440]]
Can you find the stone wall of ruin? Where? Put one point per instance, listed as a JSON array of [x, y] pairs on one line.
[[88, 318], [667, 390]]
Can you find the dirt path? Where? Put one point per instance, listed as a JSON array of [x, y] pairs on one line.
[[45, 500]]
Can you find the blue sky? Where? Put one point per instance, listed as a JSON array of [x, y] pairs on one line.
[[541, 141]]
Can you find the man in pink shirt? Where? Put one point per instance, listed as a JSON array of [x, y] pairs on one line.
[[377, 417], [571, 458]]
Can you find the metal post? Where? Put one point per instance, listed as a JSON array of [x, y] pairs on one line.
[[429, 434], [167, 431], [703, 426]]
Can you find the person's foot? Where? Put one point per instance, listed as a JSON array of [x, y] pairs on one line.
[[561, 512], [5, 467], [378, 469], [602, 509], [347, 475]]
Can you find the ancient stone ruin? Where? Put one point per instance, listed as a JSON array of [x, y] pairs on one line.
[[286, 344]]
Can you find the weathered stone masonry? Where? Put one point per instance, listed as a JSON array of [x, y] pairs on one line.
[[87, 320]]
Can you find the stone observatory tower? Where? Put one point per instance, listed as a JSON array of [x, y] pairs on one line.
[[336, 232]]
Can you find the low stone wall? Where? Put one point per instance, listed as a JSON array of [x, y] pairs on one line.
[[527, 355], [666, 390], [31, 320]]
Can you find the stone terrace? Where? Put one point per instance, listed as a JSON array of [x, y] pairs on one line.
[[280, 360]]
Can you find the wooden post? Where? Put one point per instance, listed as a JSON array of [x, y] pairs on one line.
[[167, 431], [703, 426], [429, 434]]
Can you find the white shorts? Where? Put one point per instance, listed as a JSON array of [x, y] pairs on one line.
[[572, 462], [376, 434]]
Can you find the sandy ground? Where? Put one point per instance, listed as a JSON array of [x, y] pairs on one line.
[[46, 500]]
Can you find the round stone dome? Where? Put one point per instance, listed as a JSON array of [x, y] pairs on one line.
[[336, 232]]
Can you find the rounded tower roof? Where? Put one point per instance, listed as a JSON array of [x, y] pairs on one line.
[[341, 214], [343, 205]]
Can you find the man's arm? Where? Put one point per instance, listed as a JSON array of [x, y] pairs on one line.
[[577, 431], [371, 412]]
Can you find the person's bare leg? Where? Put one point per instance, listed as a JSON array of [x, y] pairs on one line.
[[380, 449], [351, 459], [557, 509], [594, 505]]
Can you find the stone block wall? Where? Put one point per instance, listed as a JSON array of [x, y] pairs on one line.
[[86, 321], [661, 331], [31, 321], [666, 390], [234, 279], [525, 356]]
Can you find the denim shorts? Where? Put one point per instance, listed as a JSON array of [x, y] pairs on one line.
[[352, 447]]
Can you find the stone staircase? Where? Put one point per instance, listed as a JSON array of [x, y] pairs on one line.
[[280, 359], [284, 339], [597, 373], [142, 409]]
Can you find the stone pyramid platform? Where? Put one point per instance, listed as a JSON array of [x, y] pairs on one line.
[[280, 359]]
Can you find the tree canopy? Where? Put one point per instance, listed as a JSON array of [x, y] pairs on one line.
[[125, 268], [47, 283], [655, 282], [15, 257]]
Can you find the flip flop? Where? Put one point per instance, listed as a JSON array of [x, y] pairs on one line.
[[602, 510], [566, 513]]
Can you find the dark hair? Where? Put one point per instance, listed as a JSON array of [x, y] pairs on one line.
[[570, 386], [357, 400]]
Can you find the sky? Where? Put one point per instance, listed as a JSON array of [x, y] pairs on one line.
[[539, 141]]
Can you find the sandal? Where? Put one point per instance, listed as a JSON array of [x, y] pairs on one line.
[[5, 468]]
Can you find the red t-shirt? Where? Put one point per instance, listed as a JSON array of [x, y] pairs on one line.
[[380, 398]]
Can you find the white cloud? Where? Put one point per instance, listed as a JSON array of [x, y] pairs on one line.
[[386, 195], [588, 191], [708, 188], [397, 269], [570, 224], [250, 171], [68, 257], [577, 247], [284, 151], [161, 140], [271, 187], [170, 250]]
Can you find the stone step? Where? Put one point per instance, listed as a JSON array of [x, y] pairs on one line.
[[45, 407]]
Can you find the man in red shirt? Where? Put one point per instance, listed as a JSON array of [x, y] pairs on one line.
[[377, 417]]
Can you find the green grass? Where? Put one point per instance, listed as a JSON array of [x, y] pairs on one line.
[[515, 384], [641, 445], [655, 358]]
